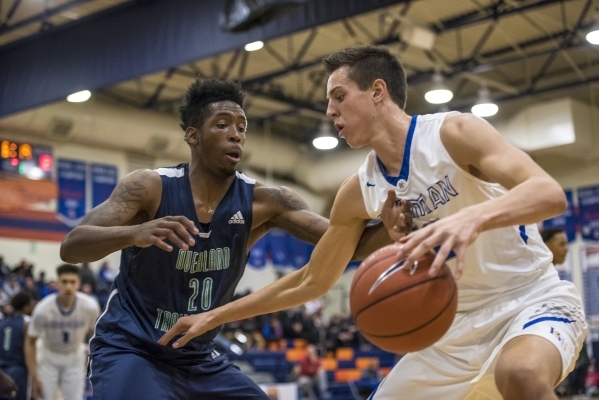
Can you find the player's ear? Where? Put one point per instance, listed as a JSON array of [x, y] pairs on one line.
[[379, 88], [191, 135]]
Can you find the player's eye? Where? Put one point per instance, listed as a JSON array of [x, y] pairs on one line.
[[221, 126]]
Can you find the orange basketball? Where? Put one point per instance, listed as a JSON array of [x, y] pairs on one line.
[[402, 310]]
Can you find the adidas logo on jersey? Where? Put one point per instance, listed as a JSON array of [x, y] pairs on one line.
[[237, 218]]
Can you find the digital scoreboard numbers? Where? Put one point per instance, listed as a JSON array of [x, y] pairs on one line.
[[25, 159]]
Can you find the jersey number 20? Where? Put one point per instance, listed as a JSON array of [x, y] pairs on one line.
[[206, 298]]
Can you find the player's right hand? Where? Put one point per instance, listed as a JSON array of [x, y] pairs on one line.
[[177, 230], [8, 389]]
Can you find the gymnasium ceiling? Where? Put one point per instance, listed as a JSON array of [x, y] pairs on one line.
[[518, 48]]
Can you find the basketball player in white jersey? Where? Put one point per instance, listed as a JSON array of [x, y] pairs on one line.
[[62, 322], [476, 199]]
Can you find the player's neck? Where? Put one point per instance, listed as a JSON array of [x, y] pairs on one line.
[[207, 187], [65, 301], [389, 140]]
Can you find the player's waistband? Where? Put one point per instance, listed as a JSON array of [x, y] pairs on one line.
[[547, 278]]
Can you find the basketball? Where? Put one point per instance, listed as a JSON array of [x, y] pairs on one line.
[[402, 310]]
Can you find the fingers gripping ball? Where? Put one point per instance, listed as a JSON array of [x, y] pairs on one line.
[[402, 310]]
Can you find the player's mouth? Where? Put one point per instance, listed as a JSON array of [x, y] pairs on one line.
[[339, 128], [234, 156]]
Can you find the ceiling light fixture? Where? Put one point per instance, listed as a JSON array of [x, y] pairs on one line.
[[593, 37], [79, 97], [254, 46], [325, 139], [439, 93], [484, 106]]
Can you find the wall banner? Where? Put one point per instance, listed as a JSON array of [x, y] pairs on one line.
[[71, 191], [104, 180], [588, 206]]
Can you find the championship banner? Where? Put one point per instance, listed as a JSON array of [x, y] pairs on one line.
[[588, 205], [590, 266], [71, 191], [566, 221], [104, 179]]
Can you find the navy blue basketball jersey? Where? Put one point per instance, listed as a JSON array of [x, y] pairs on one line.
[[12, 338], [155, 288]]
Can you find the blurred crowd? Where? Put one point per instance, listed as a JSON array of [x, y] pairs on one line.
[[21, 278]]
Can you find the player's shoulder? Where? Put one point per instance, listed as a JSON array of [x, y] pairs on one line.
[[45, 303], [458, 124], [88, 301]]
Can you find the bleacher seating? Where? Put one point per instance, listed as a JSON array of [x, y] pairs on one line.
[[342, 370]]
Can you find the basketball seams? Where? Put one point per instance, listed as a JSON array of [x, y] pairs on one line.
[[358, 277], [455, 290], [403, 290]]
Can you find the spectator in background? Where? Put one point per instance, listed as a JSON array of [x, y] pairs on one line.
[[42, 285], [88, 278], [31, 289], [11, 285], [312, 375], [106, 274], [591, 381], [273, 331], [24, 270], [557, 242], [4, 268]]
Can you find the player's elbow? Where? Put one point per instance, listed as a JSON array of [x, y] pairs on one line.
[[559, 201], [67, 250]]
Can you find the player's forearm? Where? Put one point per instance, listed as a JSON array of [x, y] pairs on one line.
[[31, 357], [293, 289], [91, 243], [373, 238], [532, 201]]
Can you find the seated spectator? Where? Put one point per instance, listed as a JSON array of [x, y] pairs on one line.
[[590, 381], [24, 270], [88, 277], [273, 331], [312, 375], [371, 372], [4, 268], [11, 285], [31, 289]]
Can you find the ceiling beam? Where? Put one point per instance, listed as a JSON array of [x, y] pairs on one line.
[[113, 46]]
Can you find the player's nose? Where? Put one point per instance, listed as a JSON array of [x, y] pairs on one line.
[[331, 112]]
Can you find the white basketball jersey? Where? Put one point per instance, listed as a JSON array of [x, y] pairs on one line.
[[63, 331], [499, 260]]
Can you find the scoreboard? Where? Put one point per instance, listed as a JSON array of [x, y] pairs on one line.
[[26, 159]]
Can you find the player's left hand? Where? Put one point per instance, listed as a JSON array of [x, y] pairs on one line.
[[455, 232], [192, 325], [8, 389]]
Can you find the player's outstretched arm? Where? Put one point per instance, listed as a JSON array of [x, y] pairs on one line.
[[477, 148], [328, 261], [281, 207], [124, 220]]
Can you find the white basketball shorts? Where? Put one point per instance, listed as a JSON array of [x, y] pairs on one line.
[[461, 365]]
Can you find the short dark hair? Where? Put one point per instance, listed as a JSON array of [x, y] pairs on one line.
[[368, 63], [67, 269], [549, 233], [20, 301], [201, 94]]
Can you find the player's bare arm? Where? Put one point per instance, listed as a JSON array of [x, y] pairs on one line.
[[125, 220], [477, 148], [280, 207], [31, 362], [328, 261]]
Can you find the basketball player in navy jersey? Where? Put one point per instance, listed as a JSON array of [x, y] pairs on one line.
[[185, 233], [476, 199], [13, 331]]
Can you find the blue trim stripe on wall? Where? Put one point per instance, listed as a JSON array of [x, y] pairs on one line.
[[35, 225]]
